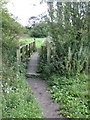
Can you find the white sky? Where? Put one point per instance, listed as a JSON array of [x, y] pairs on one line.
[[24, 9]]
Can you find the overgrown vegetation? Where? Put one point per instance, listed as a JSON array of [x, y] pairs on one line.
[[67, 72], [17, 99], [68, 26], [38, 31], [38, 41], [70, 36], [72, 95]]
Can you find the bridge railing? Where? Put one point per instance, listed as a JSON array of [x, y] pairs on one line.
[[24, 51], [48, 49]]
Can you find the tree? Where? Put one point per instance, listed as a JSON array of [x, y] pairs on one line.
[[39, 30], [68, 26]]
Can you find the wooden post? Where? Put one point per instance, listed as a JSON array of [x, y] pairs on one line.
[[23, 53], [21, 57], [29, 49], [42, 51], [26, 50], [34, 47], [48, 53], [18, 55]]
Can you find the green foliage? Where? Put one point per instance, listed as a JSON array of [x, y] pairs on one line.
[[9, 25], [68, 27], [39, 30], [17, 99], [38, 42], [46, 70], [27, 40], [72, 95], [23, 41]]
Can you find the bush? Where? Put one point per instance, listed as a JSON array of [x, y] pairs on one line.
[[39, 30]]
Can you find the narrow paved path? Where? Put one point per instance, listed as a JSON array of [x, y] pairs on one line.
[[39, 90], [32, 65]]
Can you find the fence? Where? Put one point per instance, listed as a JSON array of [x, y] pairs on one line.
[[24, 52], [48, 49]]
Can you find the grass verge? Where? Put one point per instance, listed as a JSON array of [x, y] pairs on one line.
[[17, 99]]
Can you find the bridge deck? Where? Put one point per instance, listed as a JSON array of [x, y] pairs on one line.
[[32, 65]]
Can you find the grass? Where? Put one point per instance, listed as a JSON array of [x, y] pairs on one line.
[[72, 95], [27, 40], [17, 99], [20, 103], [39, 42]]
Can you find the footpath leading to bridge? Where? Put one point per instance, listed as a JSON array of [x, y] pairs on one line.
[[39, 90]]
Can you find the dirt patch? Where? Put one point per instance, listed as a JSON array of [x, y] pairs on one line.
[[43, 97]]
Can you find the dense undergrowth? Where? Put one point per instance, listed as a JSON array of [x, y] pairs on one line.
[[67, 69], [17, 99], [71, 94]]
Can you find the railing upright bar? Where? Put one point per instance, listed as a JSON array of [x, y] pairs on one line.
[[25, 50], [29, 49], [18, 55]]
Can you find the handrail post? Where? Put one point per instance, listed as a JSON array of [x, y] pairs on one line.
[[26, 50], [34, 47], [29, 49], [48, 53], [42, 51], [23, 53], [18, 55]]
